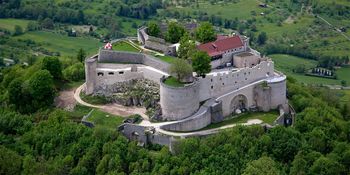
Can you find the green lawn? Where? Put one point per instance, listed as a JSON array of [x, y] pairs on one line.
[[124, 46], [172, 81], [67, 46], [98, 117], [286, 63], [105, 120], [167, 58], [344, 74], [9, 23], [266, 117]]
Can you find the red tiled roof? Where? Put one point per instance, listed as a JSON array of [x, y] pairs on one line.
[[219, 46]]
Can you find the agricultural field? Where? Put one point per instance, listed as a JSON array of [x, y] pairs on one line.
[[286, 64], [9, 23], [67, 46], [224, 10]]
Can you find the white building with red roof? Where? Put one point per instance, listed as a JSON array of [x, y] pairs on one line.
[[224, 48]]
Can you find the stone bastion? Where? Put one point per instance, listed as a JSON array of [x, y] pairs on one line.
[[179, 102]]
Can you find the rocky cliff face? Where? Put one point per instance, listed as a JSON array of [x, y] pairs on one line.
[[138, 92]]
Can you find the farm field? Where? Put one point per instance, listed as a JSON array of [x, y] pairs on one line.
[[224, 10], [9, 23], [67, 46], [286, 64]]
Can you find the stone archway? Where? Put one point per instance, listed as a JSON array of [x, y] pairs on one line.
[[238, 104]]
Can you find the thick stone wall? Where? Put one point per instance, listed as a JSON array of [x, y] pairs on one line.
[[278, 93], [179, 102], [209, 112], [216, 84]]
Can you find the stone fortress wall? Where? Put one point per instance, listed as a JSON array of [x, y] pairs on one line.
[[155, 43], [222, 92], [179, 102]]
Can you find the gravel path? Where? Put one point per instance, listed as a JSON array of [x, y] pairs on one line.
[[114, 109]]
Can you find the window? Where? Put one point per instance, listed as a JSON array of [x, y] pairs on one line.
[[110, 73], [246, 78], [212, 87], [100, 74], [223, 84], [121, 72], [211, 80]]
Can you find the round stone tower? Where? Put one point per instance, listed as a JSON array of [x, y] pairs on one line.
[[90, 75], [179, 102]]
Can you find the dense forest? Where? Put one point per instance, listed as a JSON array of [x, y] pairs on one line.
[[37, 138]]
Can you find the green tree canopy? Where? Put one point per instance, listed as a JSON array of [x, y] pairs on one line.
[[262, 38], [174, 32], [153, 29], [201, 63], [181, 68], [10, 162], [18, 30], [262, 166], [187, 47], [53, 65], [42, 89], [205, 33], [74, 72], [81, 55]]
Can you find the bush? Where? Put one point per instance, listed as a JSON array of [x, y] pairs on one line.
[[74, 72]]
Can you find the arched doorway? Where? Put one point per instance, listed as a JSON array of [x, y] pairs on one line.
[[239, 104]]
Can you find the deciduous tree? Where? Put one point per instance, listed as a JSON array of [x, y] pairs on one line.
[[205, 33], [201, 63], [153, 29]]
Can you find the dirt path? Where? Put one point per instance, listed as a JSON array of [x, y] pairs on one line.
[[65, 99], [114, 109]]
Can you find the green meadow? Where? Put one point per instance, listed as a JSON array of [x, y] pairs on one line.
[[66, 45], [286, 64], [9, 23]]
